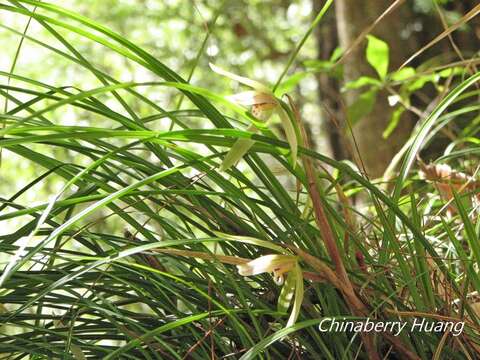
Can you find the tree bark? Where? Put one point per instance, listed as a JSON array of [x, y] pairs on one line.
[[328, 87], [352, 17]]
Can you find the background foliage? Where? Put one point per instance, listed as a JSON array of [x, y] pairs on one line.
[[119, 235]]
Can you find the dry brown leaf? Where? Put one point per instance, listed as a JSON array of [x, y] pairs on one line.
[[446, 180]]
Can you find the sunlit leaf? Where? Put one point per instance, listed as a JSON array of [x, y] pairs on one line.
[[403, 74], [393, 123], [361, 82], [378, 55]]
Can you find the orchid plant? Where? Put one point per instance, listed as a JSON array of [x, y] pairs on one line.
[[264, 105], [283, 266], [279, 265]]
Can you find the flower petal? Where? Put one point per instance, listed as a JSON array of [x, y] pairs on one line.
[[279, 280], [263, 111], [284, 267], [243, 80], [252, 98], [257, 266], [263, 264], [243, 98], [237, 151]]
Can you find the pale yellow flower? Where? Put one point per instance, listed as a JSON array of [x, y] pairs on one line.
[[263, 104], [278, 265]]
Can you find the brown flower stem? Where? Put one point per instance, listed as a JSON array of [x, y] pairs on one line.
[[356, 305]]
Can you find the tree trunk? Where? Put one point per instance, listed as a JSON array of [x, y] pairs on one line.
[[328, 87], [352, 17]]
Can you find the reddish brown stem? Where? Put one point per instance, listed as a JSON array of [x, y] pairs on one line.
[[356, 305]]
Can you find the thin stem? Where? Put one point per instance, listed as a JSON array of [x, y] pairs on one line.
[[292, 58]]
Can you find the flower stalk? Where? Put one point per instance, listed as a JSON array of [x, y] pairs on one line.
[[264, 105]]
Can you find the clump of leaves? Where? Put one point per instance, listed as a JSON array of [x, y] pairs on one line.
[[192, 275]]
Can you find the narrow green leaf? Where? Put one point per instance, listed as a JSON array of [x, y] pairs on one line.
[[253, 241]]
